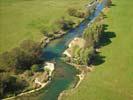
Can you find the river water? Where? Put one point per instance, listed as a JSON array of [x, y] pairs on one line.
[[65, 75]]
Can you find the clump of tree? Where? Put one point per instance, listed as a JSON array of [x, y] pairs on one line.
[[76, 13], [65, 24], [82, 56], [21, 58], [10, 85]]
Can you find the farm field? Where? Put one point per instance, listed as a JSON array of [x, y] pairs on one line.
[[23, 19], [112, 77]]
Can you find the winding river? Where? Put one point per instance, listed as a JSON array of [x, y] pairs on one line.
[[65, 75]]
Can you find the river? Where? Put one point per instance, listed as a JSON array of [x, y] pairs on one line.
[[65, 75]]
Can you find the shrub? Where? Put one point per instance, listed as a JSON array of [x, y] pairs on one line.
[[44, 31], [35, 68], [65, 24], [74, 12]]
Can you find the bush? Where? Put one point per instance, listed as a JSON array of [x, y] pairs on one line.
[[74, 12], [44, 31], [65, 24], [35, 68], [10, 85]]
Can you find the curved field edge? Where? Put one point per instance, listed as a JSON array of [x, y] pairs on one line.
[[22, 19], [112, 80]]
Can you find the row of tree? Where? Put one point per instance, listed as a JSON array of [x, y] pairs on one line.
[[91, 35], [62, 25]]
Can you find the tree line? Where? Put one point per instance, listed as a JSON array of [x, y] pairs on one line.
[[92, 35]]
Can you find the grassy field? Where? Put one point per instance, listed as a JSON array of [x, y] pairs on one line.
[[22, 19], [113, 79]]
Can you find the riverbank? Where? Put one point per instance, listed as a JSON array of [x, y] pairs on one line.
[[83, 71], [24, 19], [112, 79], [39, 82], [90, 7]]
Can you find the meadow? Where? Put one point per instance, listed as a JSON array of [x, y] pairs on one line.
[[111, 78], [23, 19]]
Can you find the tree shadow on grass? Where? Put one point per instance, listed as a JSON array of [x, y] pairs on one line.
[[98, 59], [106, 37], [104, 41]]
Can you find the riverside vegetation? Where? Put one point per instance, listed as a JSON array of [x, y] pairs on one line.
[[87, 54], [112, 76], [29, 18], [23, 61], [92, 35]]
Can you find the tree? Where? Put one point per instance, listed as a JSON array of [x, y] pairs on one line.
[[10, 84], [7, 61], [21, 58], [88, 36], [65, 24], [72, 11]]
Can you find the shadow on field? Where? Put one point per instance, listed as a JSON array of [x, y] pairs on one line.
[[104, 41], [98, 59], [106, 37], [113, 4]]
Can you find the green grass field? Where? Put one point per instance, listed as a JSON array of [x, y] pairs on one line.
[[113, 79], [22, 19]]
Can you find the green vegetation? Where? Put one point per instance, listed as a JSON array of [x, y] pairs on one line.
[[23, 24], [35, 68], [25, 19], [10, 85], [74, 12], [17, 63], [20, 58], [92, 36], [112, 77]]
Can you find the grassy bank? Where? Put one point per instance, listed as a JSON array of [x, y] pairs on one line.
[[23, 19], [112, 77]]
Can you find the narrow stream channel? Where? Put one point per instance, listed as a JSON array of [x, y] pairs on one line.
[[65, 75]]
